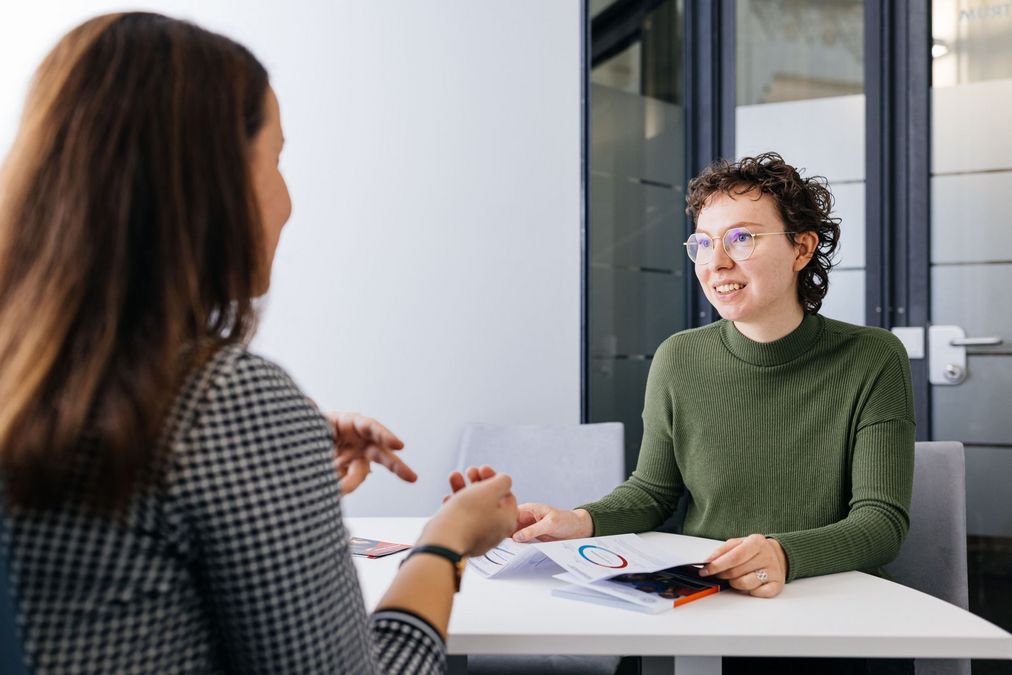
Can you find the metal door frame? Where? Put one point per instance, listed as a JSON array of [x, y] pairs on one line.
[[897, 70]]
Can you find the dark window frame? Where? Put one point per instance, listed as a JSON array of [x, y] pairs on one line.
[[898, 176]]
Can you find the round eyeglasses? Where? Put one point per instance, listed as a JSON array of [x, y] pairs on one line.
[[738, 243]]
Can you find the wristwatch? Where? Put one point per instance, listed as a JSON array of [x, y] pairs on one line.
[[456, 559]]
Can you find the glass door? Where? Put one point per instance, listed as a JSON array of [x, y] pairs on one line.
[[800, 92], [970, 340]]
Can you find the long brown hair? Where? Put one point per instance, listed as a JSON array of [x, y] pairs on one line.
[[130, 245]]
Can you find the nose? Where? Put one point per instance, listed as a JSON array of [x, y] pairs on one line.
[[720, 260]]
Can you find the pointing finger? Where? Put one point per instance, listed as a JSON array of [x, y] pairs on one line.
[[395, 464], [369, 429]]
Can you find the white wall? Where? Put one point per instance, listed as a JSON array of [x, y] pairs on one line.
[[429, 275]]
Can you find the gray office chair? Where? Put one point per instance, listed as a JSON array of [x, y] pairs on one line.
[[563, 466], [933, 557]]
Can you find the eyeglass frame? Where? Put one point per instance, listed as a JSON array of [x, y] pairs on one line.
[[724, 248]]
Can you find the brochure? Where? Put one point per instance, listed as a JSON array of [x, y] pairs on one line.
[[510, 557], [626, 571], [596, 558], [374, 548], [643, 591]]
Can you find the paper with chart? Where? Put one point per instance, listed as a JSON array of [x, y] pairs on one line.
[[595, 558], [627, 571], [511, 557]]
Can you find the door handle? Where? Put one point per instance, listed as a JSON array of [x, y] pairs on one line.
[[977, 342], [947, 355]]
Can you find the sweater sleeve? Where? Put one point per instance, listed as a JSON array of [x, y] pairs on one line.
[[882, 468], [650, 495], [257, 489]]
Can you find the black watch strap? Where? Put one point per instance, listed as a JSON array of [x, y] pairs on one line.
[[456, 559]]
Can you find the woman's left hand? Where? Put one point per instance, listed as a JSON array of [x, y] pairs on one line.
[[753, 564], [358, 442]]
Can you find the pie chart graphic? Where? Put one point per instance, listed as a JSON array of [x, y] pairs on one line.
[[602, 557], [499, 556]]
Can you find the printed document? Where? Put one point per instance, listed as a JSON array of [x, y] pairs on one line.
[[595, 558], [510, 557]]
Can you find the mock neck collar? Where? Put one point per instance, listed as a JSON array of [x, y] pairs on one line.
[[787, 348]]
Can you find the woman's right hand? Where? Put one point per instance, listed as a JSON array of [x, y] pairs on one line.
[[534, 521], [546, 523], [475, 518]]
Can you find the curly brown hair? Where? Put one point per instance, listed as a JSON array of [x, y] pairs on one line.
[[805, 205]]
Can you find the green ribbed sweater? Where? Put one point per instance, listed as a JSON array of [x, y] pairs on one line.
[[808, 439]]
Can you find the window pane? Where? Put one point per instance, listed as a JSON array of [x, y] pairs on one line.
[[800, 88], [972, 42], [792, 51], [971, 265], [636, 282]]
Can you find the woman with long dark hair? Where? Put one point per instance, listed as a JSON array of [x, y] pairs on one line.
[[173, 499]]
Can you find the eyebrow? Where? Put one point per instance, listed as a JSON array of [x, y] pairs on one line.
[[740, 223]]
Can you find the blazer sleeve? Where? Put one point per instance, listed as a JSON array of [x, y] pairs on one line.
[[256, 486]]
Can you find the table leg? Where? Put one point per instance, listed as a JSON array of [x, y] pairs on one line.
[[680, 665], [456, 664]]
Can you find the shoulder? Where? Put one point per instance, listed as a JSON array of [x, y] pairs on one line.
[[689, 342], [869, 343], [241, 424], [233, 371], [240, 393], [876, 363], [680, 353]]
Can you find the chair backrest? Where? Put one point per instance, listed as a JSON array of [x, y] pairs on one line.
[[11, 657], [933, 556], [564, 466]]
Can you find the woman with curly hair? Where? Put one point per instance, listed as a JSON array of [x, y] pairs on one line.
[[791, 434]]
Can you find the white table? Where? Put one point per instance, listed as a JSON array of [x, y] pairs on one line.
[[850, 615]]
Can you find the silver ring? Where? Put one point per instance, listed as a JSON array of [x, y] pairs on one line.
[[762, 575]]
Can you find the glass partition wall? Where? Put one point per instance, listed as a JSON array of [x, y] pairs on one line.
[[636, 266], [970, 266]]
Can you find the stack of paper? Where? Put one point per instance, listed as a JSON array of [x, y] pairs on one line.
[[626, 571], [622, 570]]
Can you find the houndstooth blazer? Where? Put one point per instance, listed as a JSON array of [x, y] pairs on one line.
[[237, 561]]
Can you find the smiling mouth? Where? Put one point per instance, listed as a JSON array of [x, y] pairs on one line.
[[727, 289]]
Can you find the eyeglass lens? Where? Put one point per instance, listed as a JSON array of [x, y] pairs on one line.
[[738, 243]]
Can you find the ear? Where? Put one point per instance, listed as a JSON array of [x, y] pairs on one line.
[[805, 244]]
